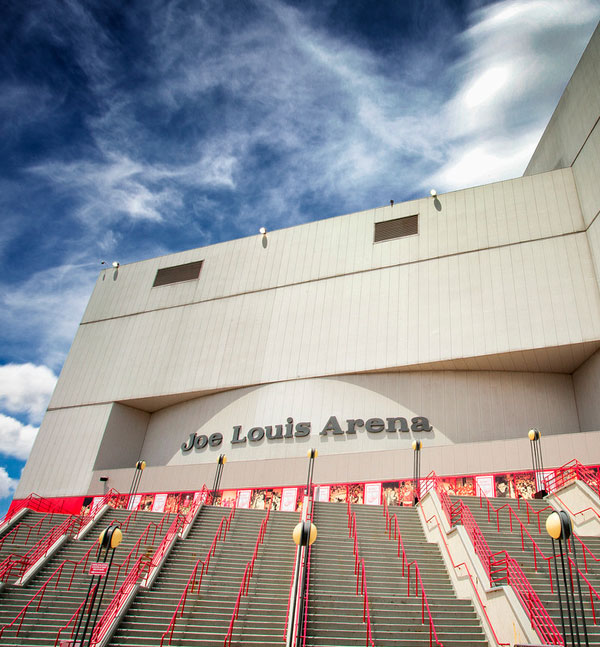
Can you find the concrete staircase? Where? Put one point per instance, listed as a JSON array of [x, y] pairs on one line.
[[58, 605], [511, 542], [207, 615], [335, 612], [26, 533]]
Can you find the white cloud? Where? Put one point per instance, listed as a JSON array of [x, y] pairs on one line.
[[7, 484], [518, 59], [26, 388], [16, 439]]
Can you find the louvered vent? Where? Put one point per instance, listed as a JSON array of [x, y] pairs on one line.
[[177, 273], [397, 228]]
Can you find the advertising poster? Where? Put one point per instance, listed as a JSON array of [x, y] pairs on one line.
[[159, 503], [524, 484], [198, 496], [323, 493], [258, 500], [373, 493], [390, 492], [406, 493], [504, 486], [146, 502], [243, 498], [484, 484], [288, 499], [227, 498], [96, 504], [186, 502], [461, 485], [337, 494], [172, 503], [543, 478], [356, 492]]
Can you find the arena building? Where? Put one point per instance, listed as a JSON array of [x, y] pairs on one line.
[[462, 320]]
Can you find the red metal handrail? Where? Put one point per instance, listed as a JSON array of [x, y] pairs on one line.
[[359, 571], [73, 619], [298, 548], [58, 572], [14, 532], [514, 576], [114, 608], [466, 566], [179, 609], [34, 502], [245, 583], [570, 471]]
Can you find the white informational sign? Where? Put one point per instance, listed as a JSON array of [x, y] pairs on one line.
[[484, 484], [159, 503], [543, 479], [96, 503], [243, 498], [99, 568], [134, 502], [324, 492], [197, 497], [288, 499], [372, 493]]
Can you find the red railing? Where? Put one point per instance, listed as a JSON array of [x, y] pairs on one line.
[[503, 569], [22, 563], [466, 567], [359, 571], [406, 567], [298, 548], [21, 527], [248, 573], [110, 496], [40, 593], [191, 583], [75, 616], [135, 550], [114, 608], [34, 502], [573, 470]]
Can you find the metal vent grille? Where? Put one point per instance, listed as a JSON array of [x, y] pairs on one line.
[[178, 273], [397, 228]]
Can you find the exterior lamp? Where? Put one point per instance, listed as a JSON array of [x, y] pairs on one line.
[[416, 445], [108, 540], [305, 533], [218, 474], [535, 444], [558, 526], [312, 454], [140, 466]]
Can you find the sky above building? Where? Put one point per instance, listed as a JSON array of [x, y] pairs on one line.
[[130, 130]]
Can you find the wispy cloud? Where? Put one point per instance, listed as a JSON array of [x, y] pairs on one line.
[[7, 485], [16, 439], [26, 389]]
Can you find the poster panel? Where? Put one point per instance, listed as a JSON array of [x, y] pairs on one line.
[[356, 492], [484, 484], [373, 493], [199, 496], [160, 501], [390, 492], [504, 486], [288, 498], [323, 493], [337, 493], [525, 484], [186, 502], [243, 498], [96, 503], [227, 498], [146, 502]]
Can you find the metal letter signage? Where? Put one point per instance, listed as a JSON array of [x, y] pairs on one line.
[[333, 427]]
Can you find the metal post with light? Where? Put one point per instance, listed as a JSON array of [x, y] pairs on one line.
[[304, 535], [558, 526], [535, 444], [140, 466], [312, 454], [416, 445], [108, 539], [218, 474]]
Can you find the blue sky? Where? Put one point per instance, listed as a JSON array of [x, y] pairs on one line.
[[129, 130]]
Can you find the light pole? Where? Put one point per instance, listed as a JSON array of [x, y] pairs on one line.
[[558, 526], [108, 539], [218, 474], [416, 445], [140, 466], [304, 535], [535, 444], [312, 454]]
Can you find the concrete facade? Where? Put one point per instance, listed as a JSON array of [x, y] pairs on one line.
[[486, 322]]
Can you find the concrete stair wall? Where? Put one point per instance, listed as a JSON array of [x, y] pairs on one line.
[[41, 626], [335, 612], [511, 542]]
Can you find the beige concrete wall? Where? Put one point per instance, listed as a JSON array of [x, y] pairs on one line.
[[123, 438], [63, 455], [586, 382], [575, 116], [513, 298]]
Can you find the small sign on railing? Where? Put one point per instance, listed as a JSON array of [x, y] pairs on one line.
[[99, 568]]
